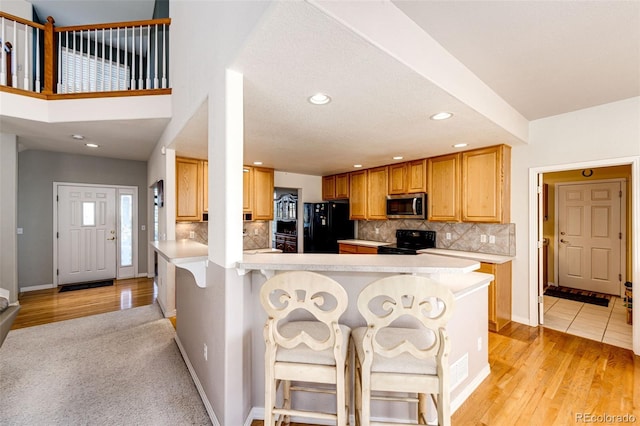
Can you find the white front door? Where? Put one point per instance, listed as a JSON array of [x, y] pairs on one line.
[[589, 240], [86, 233]]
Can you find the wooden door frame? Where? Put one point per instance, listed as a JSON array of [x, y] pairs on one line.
[[135, 223], [623, 228], [634, 233]]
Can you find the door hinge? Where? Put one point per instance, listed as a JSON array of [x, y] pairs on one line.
[[620, 235], [539, 190], [620, 193], [57, 198], [620, 277], [57, 271], [540, 299], [57, 235]]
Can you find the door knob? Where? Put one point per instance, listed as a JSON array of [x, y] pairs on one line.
[[111, 239], [562, 233], [564, 241]]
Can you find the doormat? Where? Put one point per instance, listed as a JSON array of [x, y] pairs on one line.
[[83, 286], [591, 297]]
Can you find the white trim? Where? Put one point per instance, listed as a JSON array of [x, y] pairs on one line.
[[196, 381], [133, 191], [37, 287], [635, 232], [167, 314]]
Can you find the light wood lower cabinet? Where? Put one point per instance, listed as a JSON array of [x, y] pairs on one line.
[[356, 249], [499, 294]]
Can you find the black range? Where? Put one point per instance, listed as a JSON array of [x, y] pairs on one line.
[[409, 241]]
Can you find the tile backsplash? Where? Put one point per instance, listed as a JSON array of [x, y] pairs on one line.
[[464, 236], [255, 234], [200, 230]]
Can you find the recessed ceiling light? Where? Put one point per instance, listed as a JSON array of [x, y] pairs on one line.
[[257, 163], [319, 99], [459, 145], [357, 166], [398, 157], [92, 145], [78, 137], [441, 116]]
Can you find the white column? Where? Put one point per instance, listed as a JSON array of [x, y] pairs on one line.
[[9, 214]]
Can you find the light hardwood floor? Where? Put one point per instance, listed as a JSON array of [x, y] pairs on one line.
[[538, 376], [45, 306]]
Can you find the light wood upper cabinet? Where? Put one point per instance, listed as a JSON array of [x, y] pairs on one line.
[[408, 178], [247, 188], [358, 195], [262, 193], [335, 187], [329, 187], [205, 186], [486, 184], [188, 189], [398, 178], [342, 186], [377, 183], [443, 188], [417, 176]]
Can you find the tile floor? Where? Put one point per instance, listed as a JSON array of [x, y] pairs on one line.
[[604, 324]]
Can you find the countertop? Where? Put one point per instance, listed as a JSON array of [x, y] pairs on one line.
[[365, 243], [420, 264], [480, 257], [262, 250], [179, 251]]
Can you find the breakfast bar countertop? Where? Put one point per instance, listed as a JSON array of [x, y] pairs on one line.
[[420, 264], [480, 257], [180, 251]]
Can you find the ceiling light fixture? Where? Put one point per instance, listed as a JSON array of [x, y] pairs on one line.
[[441, 116], [257, 163], [92, 145], [398, 157], [319, 99], [459, 145], [357, 166], [78, 137]]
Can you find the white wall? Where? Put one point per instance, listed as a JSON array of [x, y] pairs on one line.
[[310, 187], [610, 131], [19, 8]]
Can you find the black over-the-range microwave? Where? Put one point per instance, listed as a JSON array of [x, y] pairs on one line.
[[407, 206]]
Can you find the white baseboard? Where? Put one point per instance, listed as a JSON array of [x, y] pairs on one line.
[[257, 413], [196, 381], [37, 287], [522, 320], [143, 275], [167, 314]]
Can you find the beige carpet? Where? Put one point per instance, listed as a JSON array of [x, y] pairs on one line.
[[119, 368]]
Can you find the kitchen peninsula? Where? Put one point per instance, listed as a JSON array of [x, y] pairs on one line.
[[467, 329]]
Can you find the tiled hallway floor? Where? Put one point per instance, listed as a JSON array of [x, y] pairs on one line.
[[604, 324]]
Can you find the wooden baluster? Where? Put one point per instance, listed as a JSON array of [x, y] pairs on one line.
[[140, 75], [26, 83], [102, 73], [95, 60], [3, 54], [14, 57], [164, 57], [157, 60], [49, 56], [37, 82]]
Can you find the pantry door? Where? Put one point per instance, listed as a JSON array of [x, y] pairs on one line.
[[86, 233], [590, 236]]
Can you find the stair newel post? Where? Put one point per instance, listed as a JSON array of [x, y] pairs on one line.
[[49, 56]]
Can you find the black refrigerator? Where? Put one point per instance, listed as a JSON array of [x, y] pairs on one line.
[[324, 224]]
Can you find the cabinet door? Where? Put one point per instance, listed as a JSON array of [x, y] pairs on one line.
[[247, 187], [489, 268], [329, 187], [417, 176], [367, 250], [262, 193], [443, 188], [342, 186], [485, 186], [499, 294], [358, 195], [347, 248], [205, 186], [187, 189], [398, 178], [377, 184]]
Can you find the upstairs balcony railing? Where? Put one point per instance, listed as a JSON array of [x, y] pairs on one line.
[[113, 59]]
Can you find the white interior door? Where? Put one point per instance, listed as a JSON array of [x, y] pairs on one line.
[[86, 233], [590, 238]]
